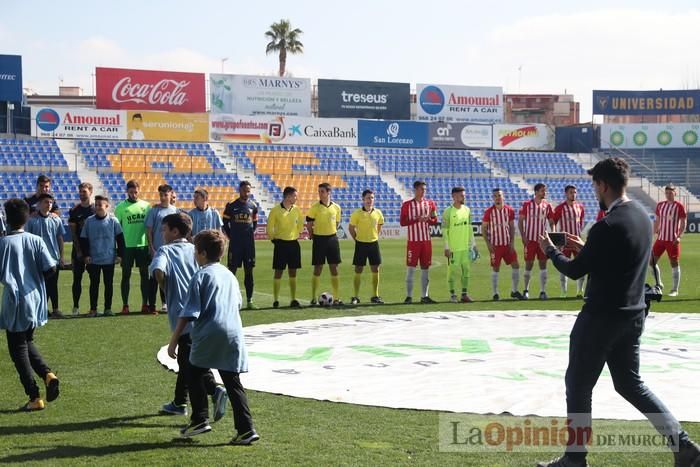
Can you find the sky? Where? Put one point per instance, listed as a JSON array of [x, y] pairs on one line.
[[549, 47]]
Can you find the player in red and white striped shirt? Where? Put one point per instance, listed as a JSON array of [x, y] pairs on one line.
[[569, 218], [418, 214], [669, 225], [533, 218], [498, 229]]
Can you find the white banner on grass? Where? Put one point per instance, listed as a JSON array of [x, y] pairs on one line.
[[472, 362]]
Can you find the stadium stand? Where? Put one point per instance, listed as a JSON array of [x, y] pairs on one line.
[[425, 161]]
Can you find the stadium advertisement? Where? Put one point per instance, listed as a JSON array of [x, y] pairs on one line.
[[472, 104], [363, 99], [532, 137], [444, 135], [693, 225], [646, 102], [10, 78], [167, 126], [121, 88], [77, 123], [650, 136], [283, 130], [403, 134], [260, 95]]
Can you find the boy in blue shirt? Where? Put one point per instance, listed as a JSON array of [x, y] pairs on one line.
[[213, 306], [100, 234], [153, 222], [49, 227], [24, 263], [173, 267], [204, 217]]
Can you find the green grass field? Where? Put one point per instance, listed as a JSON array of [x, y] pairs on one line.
[[112, 385]]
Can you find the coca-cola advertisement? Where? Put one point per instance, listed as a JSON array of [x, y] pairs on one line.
[[121, 88]]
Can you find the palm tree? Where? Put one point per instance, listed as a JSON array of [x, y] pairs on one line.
[[284, 39]]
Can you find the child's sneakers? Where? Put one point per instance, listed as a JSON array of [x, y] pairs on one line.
[[220, 400], [33, 405], [245, 439], [195, 428], [172, 409], [51, 388]]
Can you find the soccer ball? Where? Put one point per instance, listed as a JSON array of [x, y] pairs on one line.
[[325, 299]]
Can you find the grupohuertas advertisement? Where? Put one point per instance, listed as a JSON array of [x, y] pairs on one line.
[[283, 130], [260, 95], [650, 136], [445, 135], [167, 126], [470, 104], [529, 137], [77, 123]]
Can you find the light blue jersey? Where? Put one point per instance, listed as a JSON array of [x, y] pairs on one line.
[[176, 260], [102, 235], [50, 229], [154, 220], [23, 259], [205, 219], [214, 301]]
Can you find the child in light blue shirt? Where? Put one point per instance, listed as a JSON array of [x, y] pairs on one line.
[[173, 266], [25, 262], [213, 306], [204, 217]]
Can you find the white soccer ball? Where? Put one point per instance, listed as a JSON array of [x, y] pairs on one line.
[[325, 299]]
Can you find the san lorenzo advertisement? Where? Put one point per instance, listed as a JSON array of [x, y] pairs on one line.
[[363, 99], [473, 104], [672, 102], [77, 123], [444, 135], [167, 126], [287, 130], [259, 95], [533, 137], [172, 91], [650, 136], [404, 134]]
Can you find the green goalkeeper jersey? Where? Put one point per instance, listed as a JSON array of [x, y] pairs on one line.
[[131, 215], [457, 228]]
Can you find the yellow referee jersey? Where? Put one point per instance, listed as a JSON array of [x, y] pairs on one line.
[[325, 218], [284, 224], [367, 224]]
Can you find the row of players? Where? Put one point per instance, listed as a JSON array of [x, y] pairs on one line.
[[135, 231]]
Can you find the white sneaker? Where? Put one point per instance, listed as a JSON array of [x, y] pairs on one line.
[[673, 293], [453, 298], [164, 308], [76, 311]]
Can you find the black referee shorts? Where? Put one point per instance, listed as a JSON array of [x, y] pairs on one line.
[[325, 248], [286, 253], [241, 253], [365, 251]]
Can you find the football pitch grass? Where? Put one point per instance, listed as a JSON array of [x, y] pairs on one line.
[[112, 386]]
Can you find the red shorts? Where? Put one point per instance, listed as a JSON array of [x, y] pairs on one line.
[[503, 253], [533, 249], [661, 246], [419, 251]]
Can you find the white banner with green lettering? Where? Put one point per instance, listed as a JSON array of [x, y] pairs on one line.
[[476, 362]]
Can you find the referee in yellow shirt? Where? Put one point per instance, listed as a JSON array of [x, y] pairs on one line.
[[365, 226], [322, 220], [284, 224]]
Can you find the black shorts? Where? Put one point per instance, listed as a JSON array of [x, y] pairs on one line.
[[286, 253], [367, 251], [140, 256], [241, 253], [325, 248]]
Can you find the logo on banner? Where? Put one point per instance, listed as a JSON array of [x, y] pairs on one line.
[[48, 119], [393, 130], [295, 130], [603, 102], [509, 136], [444, 131], [432, 100], [164, 92]]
